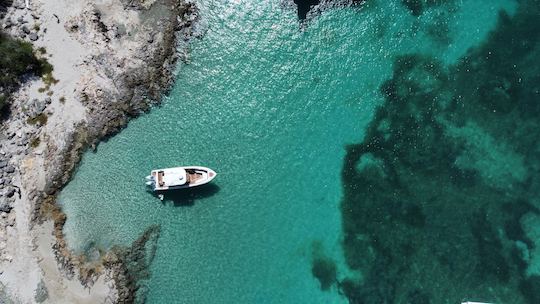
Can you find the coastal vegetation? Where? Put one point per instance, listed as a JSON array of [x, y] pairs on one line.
[[18, 61], [34, 143], [40, 118]]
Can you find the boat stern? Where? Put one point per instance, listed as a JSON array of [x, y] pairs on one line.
[[150, 182]]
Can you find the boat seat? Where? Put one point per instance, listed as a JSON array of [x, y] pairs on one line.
[[160, 178]]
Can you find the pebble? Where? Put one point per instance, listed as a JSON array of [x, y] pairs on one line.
[[5, 208], [25, 29], [20, 19], [11, 220], [8, 23], [41, 105], [10, 193], [33, 37], [10, 169], [3, 164]]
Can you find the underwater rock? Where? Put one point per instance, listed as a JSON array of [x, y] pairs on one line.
[[305, 6], [446, 178], [490, 249], [530, 289], [325, 271], [130, 266], [531, 234], [418, 297], [415, 6], [518, 212], [323, 268]]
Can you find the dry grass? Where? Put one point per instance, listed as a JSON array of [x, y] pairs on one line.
[[41, 119], [34, 143]]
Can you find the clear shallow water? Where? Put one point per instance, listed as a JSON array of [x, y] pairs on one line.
[[270, 107]]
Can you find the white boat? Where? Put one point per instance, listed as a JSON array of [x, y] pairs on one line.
[[179, 178]]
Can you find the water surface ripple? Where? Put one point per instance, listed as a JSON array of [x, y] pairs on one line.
[[270, 107]]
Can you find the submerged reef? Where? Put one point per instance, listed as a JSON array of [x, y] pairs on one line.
[[131, 265], [323, 268], [417, 7], [305, 6], [437, 195]]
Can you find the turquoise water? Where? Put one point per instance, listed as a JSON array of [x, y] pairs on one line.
[[270, 106]]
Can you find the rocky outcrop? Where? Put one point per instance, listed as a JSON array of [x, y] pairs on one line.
[[135, 83], [130, 265], [131, 49]]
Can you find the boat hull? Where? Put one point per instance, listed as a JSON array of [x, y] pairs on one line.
[[196, 176]]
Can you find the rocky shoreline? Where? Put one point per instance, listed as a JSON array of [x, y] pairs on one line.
[[112, 61]]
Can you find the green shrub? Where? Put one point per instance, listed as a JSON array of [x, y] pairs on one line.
[[17, 58], [41, 118], [34, 143]]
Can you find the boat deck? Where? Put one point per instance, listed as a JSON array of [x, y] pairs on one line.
[[192, 177], [179, 177]]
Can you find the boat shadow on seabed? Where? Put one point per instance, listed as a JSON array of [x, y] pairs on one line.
[[186, 197]]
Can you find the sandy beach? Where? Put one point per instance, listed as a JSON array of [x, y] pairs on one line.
[[112, 61]]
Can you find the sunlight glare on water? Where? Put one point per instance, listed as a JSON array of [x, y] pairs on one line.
[[270, 106]]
